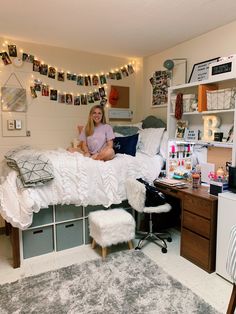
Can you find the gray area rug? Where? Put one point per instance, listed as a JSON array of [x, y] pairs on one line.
[[126, 282]]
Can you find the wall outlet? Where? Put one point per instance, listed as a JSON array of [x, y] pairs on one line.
[[28, 133], [11, 124]]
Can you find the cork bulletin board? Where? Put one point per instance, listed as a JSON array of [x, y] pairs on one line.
[[123, 97], [219, 156]]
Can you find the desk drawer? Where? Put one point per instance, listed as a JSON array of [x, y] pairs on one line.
[[196, 224], [197, 205], [195, 248]]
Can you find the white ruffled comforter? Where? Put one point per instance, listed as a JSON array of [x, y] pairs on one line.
[[78, 180]]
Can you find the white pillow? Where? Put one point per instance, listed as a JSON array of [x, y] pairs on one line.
[[150, 140], [164, 145]]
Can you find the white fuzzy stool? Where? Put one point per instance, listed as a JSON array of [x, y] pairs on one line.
[[111, 226]]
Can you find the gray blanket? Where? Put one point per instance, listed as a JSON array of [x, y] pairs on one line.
[[32, 167]]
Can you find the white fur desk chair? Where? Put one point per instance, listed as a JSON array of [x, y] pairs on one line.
[[136, 195], [231, 268]]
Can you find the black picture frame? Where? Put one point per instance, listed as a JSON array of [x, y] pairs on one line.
[[200, 70]]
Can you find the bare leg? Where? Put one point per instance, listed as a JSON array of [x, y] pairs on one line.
[[106, 154]]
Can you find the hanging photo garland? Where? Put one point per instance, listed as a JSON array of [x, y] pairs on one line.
[[96, 80]]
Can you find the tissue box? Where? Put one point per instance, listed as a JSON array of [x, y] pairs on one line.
[[218, 187]]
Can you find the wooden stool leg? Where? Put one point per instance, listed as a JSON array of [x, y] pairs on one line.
[[232, 302], [104, 252], [93, 244], [130, 245]]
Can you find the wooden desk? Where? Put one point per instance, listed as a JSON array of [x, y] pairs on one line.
[[198, 224]]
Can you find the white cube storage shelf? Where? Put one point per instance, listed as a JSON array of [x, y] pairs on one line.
[[59, 227]]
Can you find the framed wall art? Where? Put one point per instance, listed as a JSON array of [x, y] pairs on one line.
[[200, 71]]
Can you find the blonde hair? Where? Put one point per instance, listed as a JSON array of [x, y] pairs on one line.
[[89, 128]]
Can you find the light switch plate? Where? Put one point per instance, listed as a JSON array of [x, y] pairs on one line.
[[6, 116], [18, 124]]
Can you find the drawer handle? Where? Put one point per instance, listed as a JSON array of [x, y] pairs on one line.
[[38, 231], [68, 226]]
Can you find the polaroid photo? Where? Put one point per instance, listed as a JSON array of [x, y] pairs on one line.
[[124, 72], [73, 77], [102, 92], [53, 94], [61, 98], [68, 76], [52, 72], [5, 58], [90, 98], [103, 102], [103, 79], [36, 66], [118, 75], [83, 99], [95, 80], [130, 69], [12, 51], [96, 96], [27, 57], [77, 100], [33, 92], [87, 81], [80, 80], [44, 69], [69, 99], [45, 90], [112, 75], [37, 85], [61, 76]]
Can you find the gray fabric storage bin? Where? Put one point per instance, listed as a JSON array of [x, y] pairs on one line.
[[37, 241], [69, 234], [68, 212], [43, 217]]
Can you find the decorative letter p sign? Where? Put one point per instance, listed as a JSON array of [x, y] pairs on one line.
[[211, 124]]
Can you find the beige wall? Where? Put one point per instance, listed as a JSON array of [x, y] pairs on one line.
[[219, 42]]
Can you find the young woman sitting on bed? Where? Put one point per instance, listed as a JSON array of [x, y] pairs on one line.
[[97, 136]]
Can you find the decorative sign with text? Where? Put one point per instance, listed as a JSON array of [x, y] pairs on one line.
[[200, 71]]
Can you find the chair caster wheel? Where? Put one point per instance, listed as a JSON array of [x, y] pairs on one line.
[[169, 239], [164, 250], [137, 248]]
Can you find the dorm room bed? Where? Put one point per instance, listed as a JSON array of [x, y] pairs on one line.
[[76, 186]]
